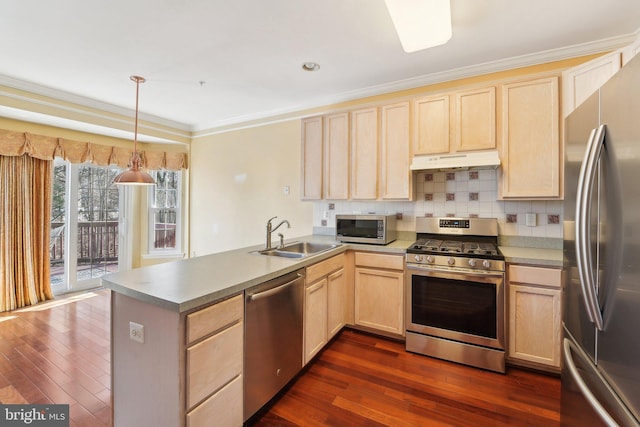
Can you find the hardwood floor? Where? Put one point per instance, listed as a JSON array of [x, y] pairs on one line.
[[58, 352], [363, 380]]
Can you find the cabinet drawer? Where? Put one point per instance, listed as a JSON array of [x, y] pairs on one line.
[[213, 362], [213, 318], [393, 262], [222, 409], [549, 277], [324, 268]]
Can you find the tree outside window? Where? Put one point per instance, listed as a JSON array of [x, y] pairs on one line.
[[164, 212]]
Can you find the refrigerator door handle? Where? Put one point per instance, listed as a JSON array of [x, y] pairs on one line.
[[568, 346], [584, 258]]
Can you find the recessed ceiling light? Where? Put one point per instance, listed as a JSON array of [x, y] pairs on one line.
[[311, 66]]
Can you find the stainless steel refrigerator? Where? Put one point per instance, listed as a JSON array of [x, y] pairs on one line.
[[601, 313]]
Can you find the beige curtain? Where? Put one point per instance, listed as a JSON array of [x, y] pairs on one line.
[[47, 148], [25, 209]]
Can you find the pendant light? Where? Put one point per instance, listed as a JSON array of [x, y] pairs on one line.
[[133, 175]]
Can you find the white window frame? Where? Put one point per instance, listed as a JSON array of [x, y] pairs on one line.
[[72, 284], [153, 252]]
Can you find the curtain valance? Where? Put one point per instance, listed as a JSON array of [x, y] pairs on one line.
[[47, 148]]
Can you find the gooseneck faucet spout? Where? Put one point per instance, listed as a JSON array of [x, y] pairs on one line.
[[271, 229]]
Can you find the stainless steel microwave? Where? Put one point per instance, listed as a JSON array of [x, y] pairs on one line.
[[366, 228]]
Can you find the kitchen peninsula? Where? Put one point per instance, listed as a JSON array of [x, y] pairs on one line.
[[164, 318]]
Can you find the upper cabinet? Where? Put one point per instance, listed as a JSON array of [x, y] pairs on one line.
[[582, 81], [336, 143], [457, 122], [395, 152], [362, 155], [431, 125], [312, 159], [531, 149], [475, 119], [365, 154], [630, 51]]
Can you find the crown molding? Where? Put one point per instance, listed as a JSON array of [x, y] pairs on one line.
[[69, 108], [250, 120]]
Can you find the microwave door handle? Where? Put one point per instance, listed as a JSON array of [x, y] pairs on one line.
[[584, 198]]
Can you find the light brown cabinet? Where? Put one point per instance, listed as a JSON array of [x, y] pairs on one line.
[[535, 327], [365, 154], [312, 158], [582, 81], [214, 359], [379, 292], [531, 150], [457, 122], [324, 304], [336, 156], [432, 125], [395, 152], [475, 124]]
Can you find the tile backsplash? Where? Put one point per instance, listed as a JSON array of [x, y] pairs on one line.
[[464, 194]]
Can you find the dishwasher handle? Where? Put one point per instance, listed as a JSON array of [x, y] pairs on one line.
[[273, 291]]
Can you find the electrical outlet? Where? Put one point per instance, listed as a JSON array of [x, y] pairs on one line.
[[136, 332]]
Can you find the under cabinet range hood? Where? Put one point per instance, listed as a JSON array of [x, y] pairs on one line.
[[457, 161]]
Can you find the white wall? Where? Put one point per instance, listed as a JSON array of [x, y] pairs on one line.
[[237, 182]]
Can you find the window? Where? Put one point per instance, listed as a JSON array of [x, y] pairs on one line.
[[85, 221], [165, 212]]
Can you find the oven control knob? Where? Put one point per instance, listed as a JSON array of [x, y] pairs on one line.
[[472, 262], [451, 261], [486, 263], [430, 259], [418, 258]]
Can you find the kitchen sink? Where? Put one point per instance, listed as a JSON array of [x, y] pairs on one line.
[[299, 249]]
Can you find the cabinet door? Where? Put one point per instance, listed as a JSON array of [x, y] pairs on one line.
[[213, 362], [534, 324], [475, 123], [315, 318], [336, 302], [336, 141], [379, 299], [531, 151], [364, 149], [395, 175], [312, 158], [582, 81], [629, 52], [223, 409], [431, 125]]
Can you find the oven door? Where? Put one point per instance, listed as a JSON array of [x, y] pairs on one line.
[[464, 306]]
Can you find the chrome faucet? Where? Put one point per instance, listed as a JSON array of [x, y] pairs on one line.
[[271, 229]]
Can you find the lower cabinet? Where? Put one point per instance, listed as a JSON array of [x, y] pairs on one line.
[[188, 369], [535, 320], [214, 360], [325, 304], [379, 292]]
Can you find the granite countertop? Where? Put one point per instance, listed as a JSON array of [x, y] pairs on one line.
[[187, 284]]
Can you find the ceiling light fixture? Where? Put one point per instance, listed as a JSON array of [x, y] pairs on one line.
[[133, 175], [311, 66], [421, 24]]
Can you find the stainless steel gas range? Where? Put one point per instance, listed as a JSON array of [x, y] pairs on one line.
[[455, 292]]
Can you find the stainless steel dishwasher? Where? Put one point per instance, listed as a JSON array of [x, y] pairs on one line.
[[273, 338]]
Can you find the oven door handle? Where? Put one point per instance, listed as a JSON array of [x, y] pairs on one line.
[[455, 274]]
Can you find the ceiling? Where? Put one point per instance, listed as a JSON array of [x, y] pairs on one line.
[[212, 63]]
